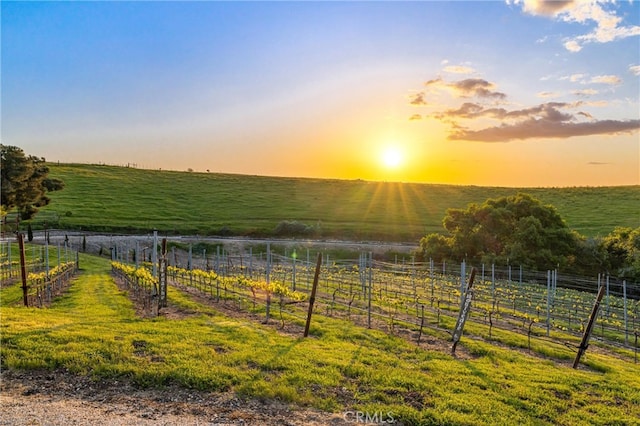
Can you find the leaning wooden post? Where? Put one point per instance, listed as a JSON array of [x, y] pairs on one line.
[[23, 269], [587, 332], [312, 298], [464, 312]]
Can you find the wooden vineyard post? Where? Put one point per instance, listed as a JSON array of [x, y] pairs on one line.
[[421, 323], [312, 298], [23, 269], [162, 275], [584, 344], [464, 312]]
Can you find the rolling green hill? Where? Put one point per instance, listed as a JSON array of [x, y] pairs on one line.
[[120, 199]]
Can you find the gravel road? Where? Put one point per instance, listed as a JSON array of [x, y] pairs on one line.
[[63, 398]]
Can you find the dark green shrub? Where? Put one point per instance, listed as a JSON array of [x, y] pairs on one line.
[[291, 228]]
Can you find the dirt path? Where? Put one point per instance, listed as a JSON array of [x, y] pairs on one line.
[[63, 398]]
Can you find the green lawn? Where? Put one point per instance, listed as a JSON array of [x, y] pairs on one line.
[[107, 198], [93, 330]]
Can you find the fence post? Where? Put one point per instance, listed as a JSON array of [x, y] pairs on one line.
[[362, 273], [421, 323], [554, 286], [294, 255], [308, 268], [608, 295], [584, 344], [464, 312], [268, 267], [413, 274], [624, 301], [162, 276], [9, 258], [23, 269], [521, 275], [493, 282], [154, 254], [46, 254], [463, 273], [312, 298], [548, 302]]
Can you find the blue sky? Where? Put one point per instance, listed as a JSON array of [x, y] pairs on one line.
[[516, 93]]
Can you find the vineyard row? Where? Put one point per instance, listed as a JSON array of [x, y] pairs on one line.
[[419, 296]]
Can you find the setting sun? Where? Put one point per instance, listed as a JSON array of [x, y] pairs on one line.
[[391, 157]]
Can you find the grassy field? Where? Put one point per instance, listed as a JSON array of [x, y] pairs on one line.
[[119, 199], [93, 330]]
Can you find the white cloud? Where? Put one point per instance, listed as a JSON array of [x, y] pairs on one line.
[[585, 92], [608, 26], [548, 95], [597, 104], [635, 69], [541, 7], [606, 79], [459, 69], [572, 46], [574, 78]]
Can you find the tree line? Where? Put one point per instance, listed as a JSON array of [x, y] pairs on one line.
[[521, 230]]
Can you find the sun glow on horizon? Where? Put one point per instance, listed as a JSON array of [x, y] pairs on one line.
[[392, 157]]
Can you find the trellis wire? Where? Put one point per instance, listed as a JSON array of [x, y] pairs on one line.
[[558, 303]]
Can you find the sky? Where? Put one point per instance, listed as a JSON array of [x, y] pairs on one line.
[[516, 93]]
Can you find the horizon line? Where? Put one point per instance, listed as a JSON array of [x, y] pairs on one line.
[[136, 166]]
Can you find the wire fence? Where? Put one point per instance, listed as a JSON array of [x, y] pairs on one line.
[[141, 285], [48, 269], [38, 258], [395, 296], [411, 296], [42, 288]]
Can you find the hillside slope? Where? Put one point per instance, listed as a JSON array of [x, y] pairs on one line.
[[120, 199]]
